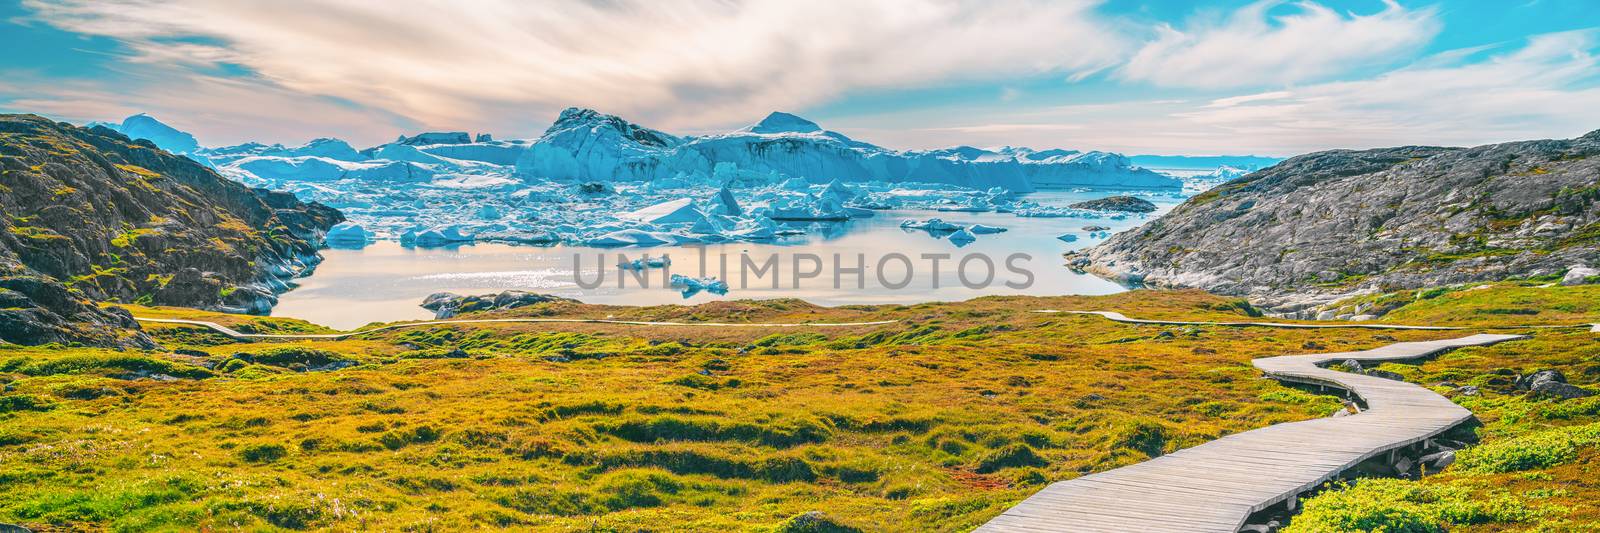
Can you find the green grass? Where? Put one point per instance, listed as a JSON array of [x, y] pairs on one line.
[[936, 422]]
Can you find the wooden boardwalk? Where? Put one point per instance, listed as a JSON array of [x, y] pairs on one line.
[[225, 330], [1217, 485]]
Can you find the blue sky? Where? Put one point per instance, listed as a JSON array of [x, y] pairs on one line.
[[1173, 77]]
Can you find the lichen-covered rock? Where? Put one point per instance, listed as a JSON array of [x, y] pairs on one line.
[[1322, 226], [91, 215], [1125, 204], [446, 305]]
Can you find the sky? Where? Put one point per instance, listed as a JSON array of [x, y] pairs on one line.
[[1271, 78]]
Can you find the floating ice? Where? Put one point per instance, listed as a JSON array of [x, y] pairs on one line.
[[980, 229], [348, 234], [436, 236], [932, 224], [962, 237], [646, 262], [692, 286]]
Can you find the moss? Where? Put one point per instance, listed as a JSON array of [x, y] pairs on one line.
[[1537, 450]]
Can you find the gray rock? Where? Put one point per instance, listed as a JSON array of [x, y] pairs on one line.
[[1327, 315], [1385, 374], [1564, 391], [1467, 390], [1126, 204], [1403, 465], [1530, 381], [446, 305], [1439, 460], [13, 528], [1580, 275], [1352, 365]]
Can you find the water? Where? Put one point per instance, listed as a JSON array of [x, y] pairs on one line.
[[386, 282]]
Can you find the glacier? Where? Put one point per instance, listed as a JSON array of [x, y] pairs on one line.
[[599, 180], [584, 144]]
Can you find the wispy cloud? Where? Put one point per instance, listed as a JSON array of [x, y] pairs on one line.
[[1543, 88], [671, 64], [1250, 47]]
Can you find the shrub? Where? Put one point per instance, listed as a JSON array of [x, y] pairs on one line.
[[814, 522], [24, 402], [1010, 456], [1400, 506], [398, 439], [638, 488], [1535, 450], [283, 356], [1145, 435], [263, 453], [80, 364]]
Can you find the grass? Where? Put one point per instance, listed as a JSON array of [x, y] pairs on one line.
[[936, 422]]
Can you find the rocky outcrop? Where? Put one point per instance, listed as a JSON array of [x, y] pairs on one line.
[[1318, 227], [91, 215], [1125, 204], [445, 305]]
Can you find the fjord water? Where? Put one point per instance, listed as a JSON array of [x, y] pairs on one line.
[[387, 282]]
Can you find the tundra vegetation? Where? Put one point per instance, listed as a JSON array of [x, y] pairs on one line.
[[938, 421]]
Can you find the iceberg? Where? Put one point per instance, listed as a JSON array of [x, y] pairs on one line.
[[980, 229], [646, 262], [962, 237], [584, 145], [143, 126], [692, 286], [680, 211], [725, 204], [348, 234], [629, 237], [436, 236], [931, 225]]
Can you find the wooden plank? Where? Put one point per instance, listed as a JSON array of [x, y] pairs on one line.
[[1217, 485]]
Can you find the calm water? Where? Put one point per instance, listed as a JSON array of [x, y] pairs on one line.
[[386, 282]]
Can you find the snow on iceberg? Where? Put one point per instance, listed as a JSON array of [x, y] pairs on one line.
[[584, 144], [680, 211], [347, 234]]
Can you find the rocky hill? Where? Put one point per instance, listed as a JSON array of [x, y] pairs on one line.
[[1321, 226], [90, 215]]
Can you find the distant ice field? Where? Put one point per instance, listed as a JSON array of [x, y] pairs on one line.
[[386, 281]]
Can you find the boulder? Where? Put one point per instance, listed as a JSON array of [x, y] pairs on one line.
[[1560, 390], [1439, 460], [446, 305], [1530, 381], [1580, 275]]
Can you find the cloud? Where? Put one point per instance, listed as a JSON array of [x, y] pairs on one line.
[[1251, 47], [670, 64], [1546, 88]]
